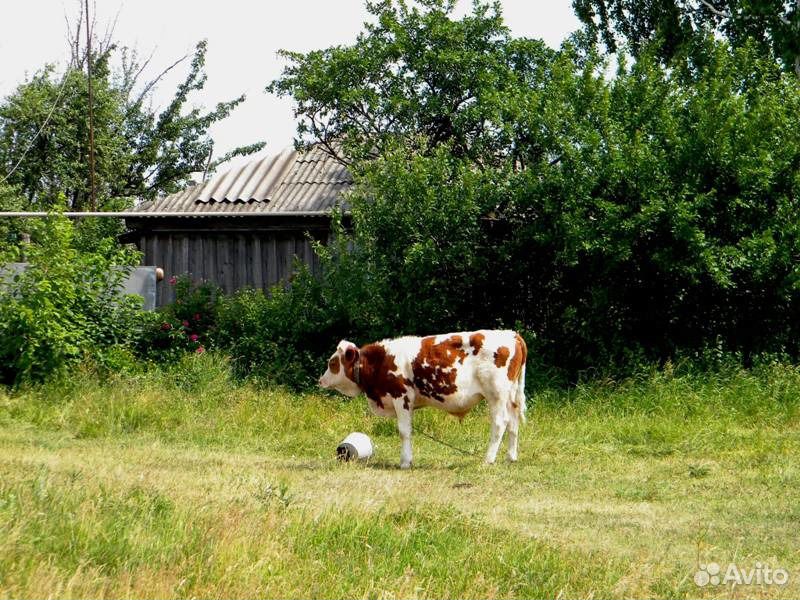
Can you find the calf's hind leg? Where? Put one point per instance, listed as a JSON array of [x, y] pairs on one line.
[[513, 433], [497, 426]]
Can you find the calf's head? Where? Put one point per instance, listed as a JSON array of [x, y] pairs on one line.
[[342, 371]]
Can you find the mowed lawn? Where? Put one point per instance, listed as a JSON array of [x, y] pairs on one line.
[[184, 483]]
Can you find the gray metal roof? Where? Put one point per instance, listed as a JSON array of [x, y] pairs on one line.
[[290, 183]]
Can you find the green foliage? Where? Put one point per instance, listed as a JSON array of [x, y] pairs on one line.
[[672, 27], [283, 336], [420, 236], [415, 71], [616, 220], [139, 152], [187, 325], [672, 221], [66, 305], [11, 230]]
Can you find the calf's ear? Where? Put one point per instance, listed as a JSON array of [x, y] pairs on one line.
[[350, 355]]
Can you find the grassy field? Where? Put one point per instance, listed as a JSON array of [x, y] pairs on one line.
[[183, 483]]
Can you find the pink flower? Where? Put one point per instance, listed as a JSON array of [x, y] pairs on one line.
[[200, 350], [196, 316], [173, 280], [186, 323], [166, 326], [193, 337]]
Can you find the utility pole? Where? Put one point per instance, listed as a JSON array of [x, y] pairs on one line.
[[92, 198]]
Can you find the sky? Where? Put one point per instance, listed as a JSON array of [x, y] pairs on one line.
[[243, 39]]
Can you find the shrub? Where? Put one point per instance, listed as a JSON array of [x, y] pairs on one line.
[[284, 336], [625, 220], [187, 325], [66, 305]]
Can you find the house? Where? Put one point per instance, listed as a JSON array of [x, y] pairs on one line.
[[245, 227]]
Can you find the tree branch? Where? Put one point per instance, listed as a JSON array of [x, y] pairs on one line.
[[153, 82], [715, 10]]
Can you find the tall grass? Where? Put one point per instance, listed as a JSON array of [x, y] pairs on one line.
[[183, 481], [201, 399]]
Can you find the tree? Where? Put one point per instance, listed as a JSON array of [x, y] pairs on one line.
[[139, 151], [674, 25], [416, 73], [646, 214]]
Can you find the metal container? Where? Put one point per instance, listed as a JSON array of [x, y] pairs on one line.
[[356, 446]]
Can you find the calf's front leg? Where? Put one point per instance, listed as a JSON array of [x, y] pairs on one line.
[[404, 427]]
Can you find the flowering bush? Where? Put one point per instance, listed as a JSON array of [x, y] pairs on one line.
[[188, 325]]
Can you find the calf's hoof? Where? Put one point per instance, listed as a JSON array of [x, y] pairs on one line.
[[405, 465]]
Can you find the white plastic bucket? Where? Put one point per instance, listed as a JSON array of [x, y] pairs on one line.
[[355, 446]]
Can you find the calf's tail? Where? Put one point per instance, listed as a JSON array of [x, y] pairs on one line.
[[519, 399]]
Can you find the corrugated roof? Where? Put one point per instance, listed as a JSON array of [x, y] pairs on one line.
[[290, 182]]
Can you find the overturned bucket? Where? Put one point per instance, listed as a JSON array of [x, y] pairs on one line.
[[356, 446]]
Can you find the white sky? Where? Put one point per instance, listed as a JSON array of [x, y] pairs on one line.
[[243, 38]]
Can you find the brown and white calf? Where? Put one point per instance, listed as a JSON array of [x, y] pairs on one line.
[[453, 372]]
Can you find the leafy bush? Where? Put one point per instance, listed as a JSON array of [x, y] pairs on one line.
[[670, 222], [187, 325], [623, 219], [280, 337], [66, 305], [638, 218]]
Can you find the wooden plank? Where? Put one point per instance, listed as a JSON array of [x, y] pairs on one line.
[[290, 256], [184, 250], [299, 252], [163, 261], [285, 253], [169, 268], [141, 244], [274, 275], [210, 259], [249, 260], [155, 259], [228, 264], [242, 264], [196, 258], [220, 251], [230, 271], [299, 249], [258, 263]]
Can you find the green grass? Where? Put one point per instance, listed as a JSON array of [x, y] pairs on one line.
[[182, 482]]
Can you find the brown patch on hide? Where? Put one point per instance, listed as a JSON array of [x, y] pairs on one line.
[[501, 356], [434, 366], [351, 355], [334, 365], [476, 342], [377, 378], [519, 358]]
